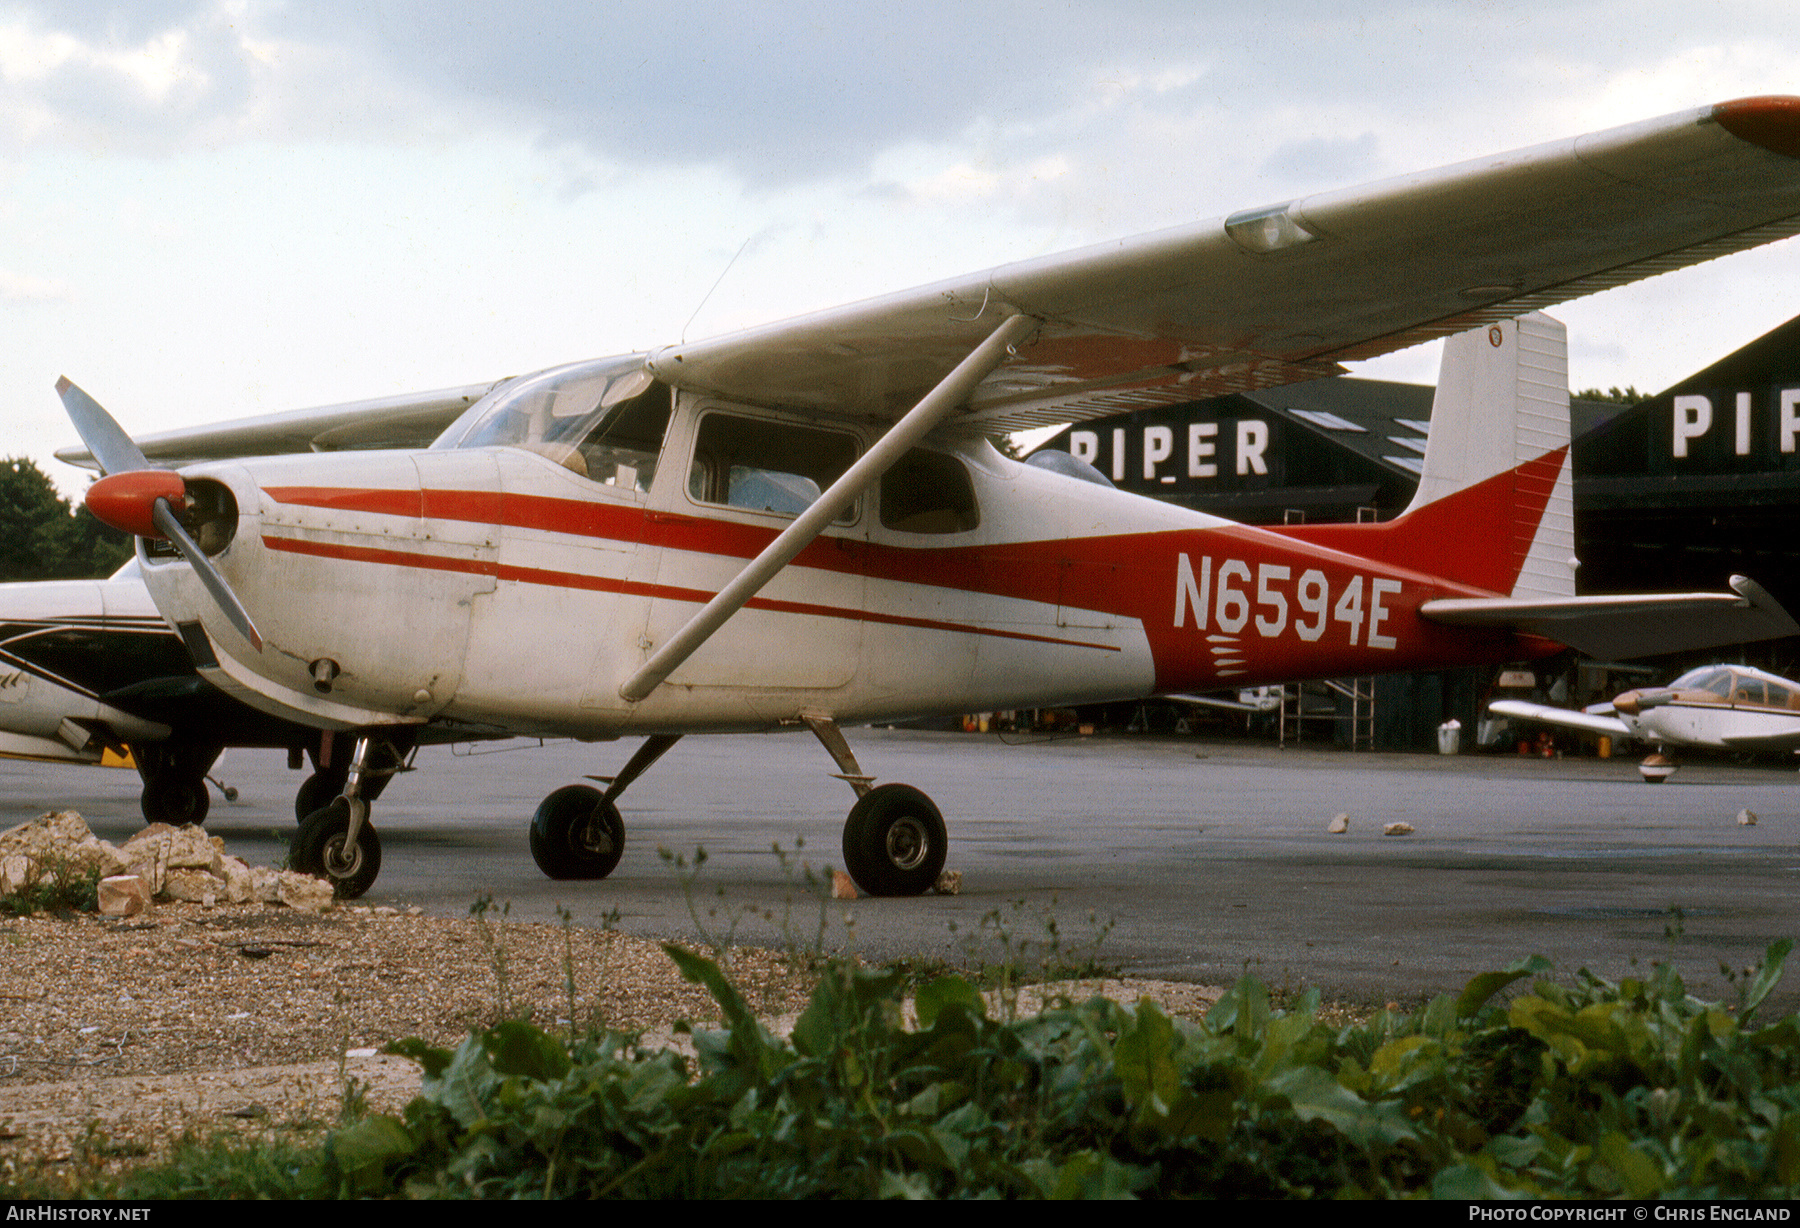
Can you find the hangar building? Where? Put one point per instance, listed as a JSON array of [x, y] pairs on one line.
[[1677, 492]]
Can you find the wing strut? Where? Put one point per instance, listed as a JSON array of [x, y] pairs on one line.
[[953, 391]]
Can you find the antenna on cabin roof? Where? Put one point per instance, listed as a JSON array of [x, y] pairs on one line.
[[721, 277]]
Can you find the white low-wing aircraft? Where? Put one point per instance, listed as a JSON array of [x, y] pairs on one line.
[[89, 669], [1715, 707], [805, 523]]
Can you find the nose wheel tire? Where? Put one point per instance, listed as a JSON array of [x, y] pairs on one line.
[[577, 834], [321, 848], [894, 841]]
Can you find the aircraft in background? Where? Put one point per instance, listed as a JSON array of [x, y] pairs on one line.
[[90, 674], [805, 525], [1716, 707]]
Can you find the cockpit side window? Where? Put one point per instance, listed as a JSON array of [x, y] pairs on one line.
[[1747, 691], [928, 492], [767, 466]]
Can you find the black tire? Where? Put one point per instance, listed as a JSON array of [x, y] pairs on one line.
[[563, 842], [319, 850], [894, 841], [316, 792], [175, 800]]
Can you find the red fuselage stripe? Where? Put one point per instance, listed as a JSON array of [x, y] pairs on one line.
[[566, 579]]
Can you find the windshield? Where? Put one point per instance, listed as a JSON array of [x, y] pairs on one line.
[[603, 419], [1706, 678]]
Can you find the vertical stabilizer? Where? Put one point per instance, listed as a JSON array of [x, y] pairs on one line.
[[1503, 402]]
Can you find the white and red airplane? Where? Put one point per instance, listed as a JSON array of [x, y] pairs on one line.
[[805, 524], [1714, 707]]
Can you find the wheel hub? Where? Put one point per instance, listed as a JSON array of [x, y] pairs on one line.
[[339, 862], [596, 836], [907, 844]]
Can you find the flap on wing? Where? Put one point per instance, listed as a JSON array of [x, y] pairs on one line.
[[1633, 625], [1789, 740], [411, 420], [1588, 721], [1281, 294]]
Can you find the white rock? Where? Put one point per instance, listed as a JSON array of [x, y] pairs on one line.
[[1397, 829], [123, 895], [192, 886], [1746, 818], [304, 892], [948, 883], [1338, 825]]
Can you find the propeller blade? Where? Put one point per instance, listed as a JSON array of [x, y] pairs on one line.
[[222, 595], [106, 439], [117, 454]]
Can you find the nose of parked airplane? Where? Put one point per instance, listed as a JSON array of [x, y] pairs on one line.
[[156, 503], [1631, 703]]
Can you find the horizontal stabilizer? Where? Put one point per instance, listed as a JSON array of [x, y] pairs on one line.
[[1632, 625], [1587, 721]]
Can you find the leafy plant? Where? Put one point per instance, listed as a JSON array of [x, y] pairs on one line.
[[68, 887], [1582, 1090]]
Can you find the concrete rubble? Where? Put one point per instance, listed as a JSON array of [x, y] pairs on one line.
[[169, 864]]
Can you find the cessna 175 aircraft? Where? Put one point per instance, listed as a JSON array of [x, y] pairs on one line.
[[1719, 707], [804, 524]]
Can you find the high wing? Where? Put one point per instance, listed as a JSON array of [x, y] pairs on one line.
[[1619, 628], [1285, 293], [1265, 296], [411, 420], [1589, 722]]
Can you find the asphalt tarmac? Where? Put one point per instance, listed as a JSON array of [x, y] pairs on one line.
[[1181, 859]]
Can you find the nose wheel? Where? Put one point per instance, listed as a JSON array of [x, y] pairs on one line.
[[336, 842], [327, 848]]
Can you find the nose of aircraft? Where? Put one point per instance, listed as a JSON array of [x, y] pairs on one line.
[[148, 502], [1631, 703], [127, 501]]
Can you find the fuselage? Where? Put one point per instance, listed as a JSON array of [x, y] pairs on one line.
[[515, 585]]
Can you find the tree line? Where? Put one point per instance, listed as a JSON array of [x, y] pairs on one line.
[[43, 537]]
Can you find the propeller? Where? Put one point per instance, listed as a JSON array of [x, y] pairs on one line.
[[143, 501]]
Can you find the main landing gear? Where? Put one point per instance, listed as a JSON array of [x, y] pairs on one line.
[[174, 776], [337, 842], [577, 832], [894, 839]]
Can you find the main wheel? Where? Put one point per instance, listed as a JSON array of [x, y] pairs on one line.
[[316, 792], [894, 841], [577, 834], [175, 800], [322, 848]]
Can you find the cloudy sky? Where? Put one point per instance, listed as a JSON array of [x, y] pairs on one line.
[[214, 208]]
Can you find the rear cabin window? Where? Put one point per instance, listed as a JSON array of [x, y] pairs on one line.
[[766, 466], [928, 492]]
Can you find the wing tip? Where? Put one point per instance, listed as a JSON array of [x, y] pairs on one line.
[[1769, 120], [63, 385]]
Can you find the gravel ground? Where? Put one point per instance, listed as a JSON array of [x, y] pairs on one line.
[[118, 1037]]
